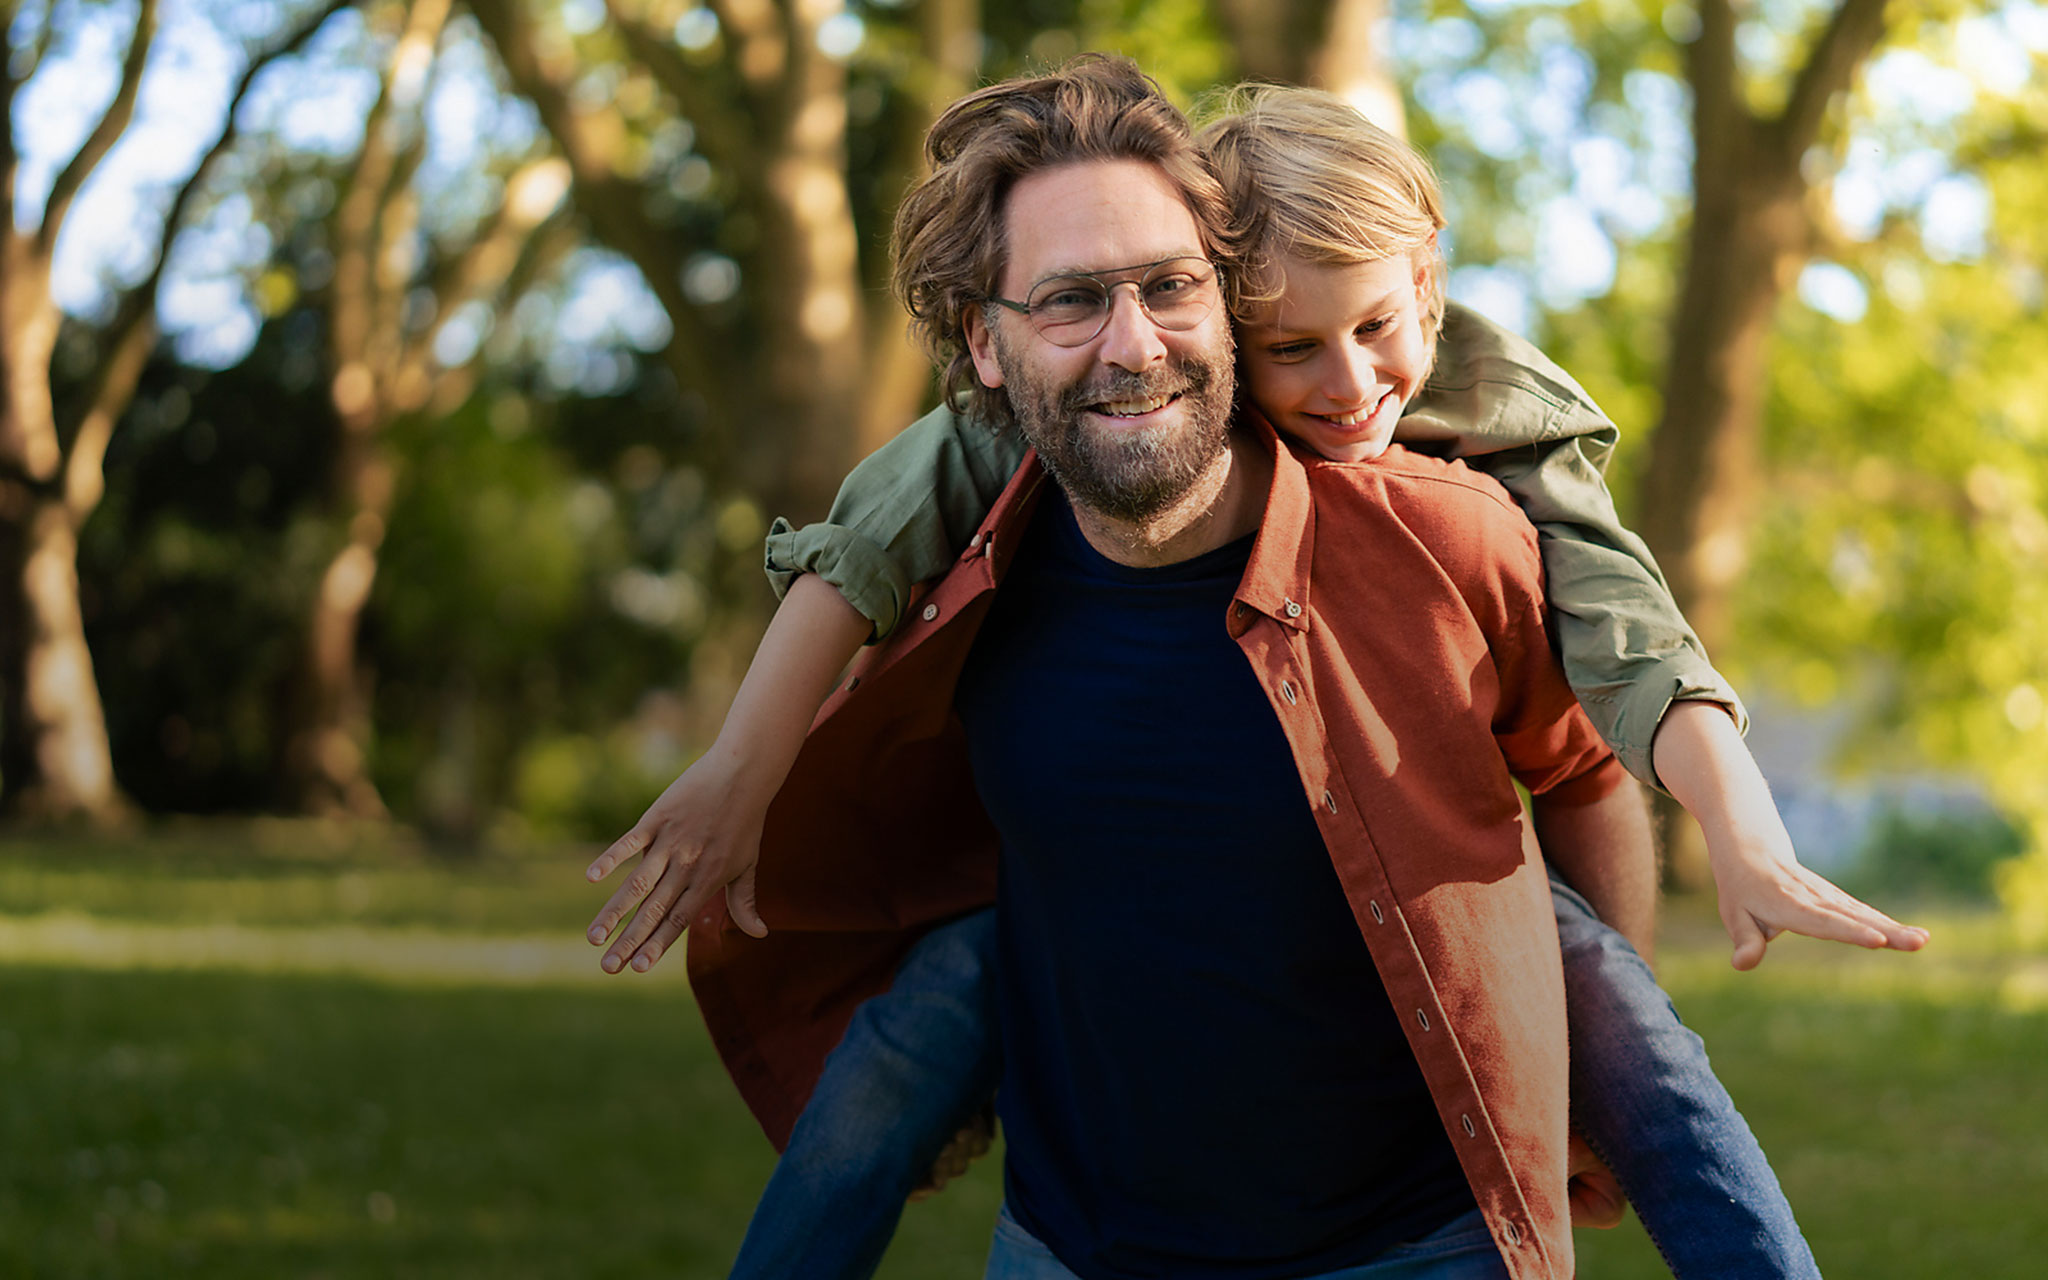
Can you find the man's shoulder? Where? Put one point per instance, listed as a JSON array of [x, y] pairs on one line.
[[1462, 518]]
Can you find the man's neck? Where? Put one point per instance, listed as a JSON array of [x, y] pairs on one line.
[[1224, 504]]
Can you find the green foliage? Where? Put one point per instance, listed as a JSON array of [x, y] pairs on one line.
[[1937, 855]]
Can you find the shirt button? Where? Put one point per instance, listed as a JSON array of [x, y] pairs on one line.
[[853, 684], [1377, 917], [1514, 1233], [1470, 1132], [1422, 1018], [1287, 692], [974, 543], [1292, 609], [931, 611], [1329, 802]]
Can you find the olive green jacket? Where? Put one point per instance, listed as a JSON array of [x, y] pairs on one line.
[[906, 513]]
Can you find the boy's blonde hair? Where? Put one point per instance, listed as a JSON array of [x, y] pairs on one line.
[[1308, 175]]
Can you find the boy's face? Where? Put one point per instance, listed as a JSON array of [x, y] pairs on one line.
[[1338, 356]]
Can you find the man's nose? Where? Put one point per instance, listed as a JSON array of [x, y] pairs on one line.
[[1130, 338]]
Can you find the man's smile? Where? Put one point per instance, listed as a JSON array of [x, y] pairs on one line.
[[1129, 411]]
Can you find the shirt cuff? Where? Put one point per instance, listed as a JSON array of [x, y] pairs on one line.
[[863, 572], [1677, 678]]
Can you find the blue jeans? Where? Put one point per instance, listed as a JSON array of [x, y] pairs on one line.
[[1646, 1100], [920, 1060], [1459, 1250], [915, 1065]]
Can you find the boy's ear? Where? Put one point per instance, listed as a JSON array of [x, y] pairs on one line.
[[981, 346], [1425, 261]]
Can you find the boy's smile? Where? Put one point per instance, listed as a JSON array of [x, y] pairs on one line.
[[1339, 355]]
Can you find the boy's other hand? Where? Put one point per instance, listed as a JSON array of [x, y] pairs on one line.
[[1591, 1187], [700, 836]]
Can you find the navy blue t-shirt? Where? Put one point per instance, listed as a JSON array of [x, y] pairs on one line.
[[1202, 1074]]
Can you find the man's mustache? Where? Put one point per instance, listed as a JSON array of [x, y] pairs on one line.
[[1125, 384]]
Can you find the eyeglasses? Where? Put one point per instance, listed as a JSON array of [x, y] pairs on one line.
[[1069, 311]]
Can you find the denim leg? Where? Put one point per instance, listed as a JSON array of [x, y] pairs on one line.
[[915, 1064], [1647, 1101], [1459, 1250]]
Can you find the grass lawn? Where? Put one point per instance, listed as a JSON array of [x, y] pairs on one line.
[[277, 1053]]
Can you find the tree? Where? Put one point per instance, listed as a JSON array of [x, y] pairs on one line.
[[54, 760], [1752, 229], [382, 368]]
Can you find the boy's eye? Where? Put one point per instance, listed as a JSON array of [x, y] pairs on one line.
[[1373, 328], [1289, 350]]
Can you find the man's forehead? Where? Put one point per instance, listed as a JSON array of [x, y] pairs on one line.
[[1096, 215]]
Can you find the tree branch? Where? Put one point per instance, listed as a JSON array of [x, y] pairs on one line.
[[725, 130], [1851, 34], [132, 334], [104, 134], [1719, 118], [612, 205]]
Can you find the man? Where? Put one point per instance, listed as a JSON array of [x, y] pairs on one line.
[[1278, 981]]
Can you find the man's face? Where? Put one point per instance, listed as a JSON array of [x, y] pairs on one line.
[[1127, 421]]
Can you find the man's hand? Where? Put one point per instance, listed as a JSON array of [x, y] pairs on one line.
[[1592, 1188], [1764, 892], [702, 835]]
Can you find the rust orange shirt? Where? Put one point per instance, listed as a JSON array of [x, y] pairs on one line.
[[1393, 611]]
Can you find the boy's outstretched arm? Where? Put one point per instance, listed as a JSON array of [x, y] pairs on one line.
[[703, 834], [1702, 761]]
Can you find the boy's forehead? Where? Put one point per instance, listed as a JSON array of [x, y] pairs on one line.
[[1094, 215]]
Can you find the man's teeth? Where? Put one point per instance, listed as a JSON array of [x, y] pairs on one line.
[[1133, 408]]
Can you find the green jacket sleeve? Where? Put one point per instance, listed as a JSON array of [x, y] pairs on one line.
[[902, 516], [1501, 404]]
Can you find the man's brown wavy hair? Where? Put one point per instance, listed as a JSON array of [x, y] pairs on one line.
[[949, 248]]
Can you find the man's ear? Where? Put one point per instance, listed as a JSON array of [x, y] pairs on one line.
[[981, 346]]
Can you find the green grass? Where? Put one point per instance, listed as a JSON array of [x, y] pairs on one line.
[[207, 1072]]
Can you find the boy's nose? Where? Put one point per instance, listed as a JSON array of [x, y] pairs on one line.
[[1130, 338], [1351, 380]]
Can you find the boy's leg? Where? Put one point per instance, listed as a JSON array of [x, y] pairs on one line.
[[1647, 1101], [915, 1065]]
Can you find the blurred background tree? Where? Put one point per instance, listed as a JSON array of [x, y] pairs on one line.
[[495, 330]]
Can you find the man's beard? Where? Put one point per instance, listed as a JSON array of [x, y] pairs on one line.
[[1129, 475]]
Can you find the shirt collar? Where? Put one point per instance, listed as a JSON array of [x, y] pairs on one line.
[[1276, 581]]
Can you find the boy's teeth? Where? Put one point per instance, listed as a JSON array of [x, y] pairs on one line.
[[1133, 408]]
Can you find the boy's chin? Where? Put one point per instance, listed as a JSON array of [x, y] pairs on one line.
[[1364, 449]]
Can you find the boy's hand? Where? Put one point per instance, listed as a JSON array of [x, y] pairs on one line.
[[702, 835], [1765, 892], [1591, 1187]]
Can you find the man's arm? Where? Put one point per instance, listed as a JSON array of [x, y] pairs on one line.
[[1606, 851], [703, 835]]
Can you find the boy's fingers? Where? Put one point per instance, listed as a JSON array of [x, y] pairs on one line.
[[1750, 942], [633, 842], [672, 886], [671, 925], [739, 900], [628, 895]]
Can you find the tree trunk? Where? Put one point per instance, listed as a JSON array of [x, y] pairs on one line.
[[55, 762], [1326, 44]]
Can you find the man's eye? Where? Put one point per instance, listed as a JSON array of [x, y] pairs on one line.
[[1073, 297], [1168, 286]]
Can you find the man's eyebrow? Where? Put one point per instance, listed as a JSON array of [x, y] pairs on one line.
[[1060, 272]]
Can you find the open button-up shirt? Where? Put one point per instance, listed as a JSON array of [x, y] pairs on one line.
[[1394, 613]]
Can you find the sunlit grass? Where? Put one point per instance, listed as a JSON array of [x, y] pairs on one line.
[[240, 1065]]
